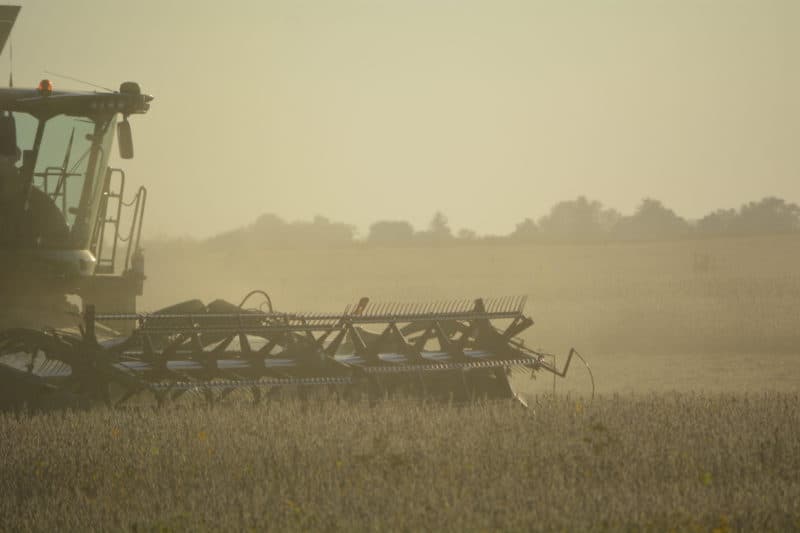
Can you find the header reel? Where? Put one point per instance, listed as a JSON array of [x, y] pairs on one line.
[[446, 351]]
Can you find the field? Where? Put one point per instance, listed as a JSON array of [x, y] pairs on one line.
[[694, 427], [644, 316], [660, 463]]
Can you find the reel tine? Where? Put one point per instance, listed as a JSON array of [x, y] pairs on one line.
[[453, 307]]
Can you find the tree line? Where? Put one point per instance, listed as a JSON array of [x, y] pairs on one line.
[[574, 221]]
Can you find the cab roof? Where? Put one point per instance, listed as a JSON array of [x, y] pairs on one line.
[[43, 103]]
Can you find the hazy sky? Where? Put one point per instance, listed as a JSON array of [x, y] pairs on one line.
[[489, 110]]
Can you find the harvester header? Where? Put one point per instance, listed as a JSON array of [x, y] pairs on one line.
[[458, 351]]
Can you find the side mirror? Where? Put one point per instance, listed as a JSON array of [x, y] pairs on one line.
[[125, 139], [8, 136], [28, 161]]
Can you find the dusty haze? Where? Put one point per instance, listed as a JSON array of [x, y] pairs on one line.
[[488, 111]]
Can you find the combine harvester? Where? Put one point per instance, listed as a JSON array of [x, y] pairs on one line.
[[61, 207]]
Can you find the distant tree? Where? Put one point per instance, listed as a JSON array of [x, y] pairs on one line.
[[270, 231], [267, 223], [720, 222], [321, 232], [438, 230], [439, 226], [578, 220], [770, 215], [652, 221], [267, 231], [465, 234], [390, 232], [527, 230]]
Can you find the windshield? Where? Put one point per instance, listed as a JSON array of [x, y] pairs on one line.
[[64, 155], [62, 161]]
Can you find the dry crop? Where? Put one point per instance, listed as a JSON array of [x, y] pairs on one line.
[[687, 462]]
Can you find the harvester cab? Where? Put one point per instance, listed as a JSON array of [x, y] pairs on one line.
[[61, 204]]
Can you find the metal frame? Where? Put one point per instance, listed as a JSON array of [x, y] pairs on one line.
[[453, 348], [106, 264]]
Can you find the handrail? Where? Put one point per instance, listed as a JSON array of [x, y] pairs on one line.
[[131, 236], [138, 203]]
